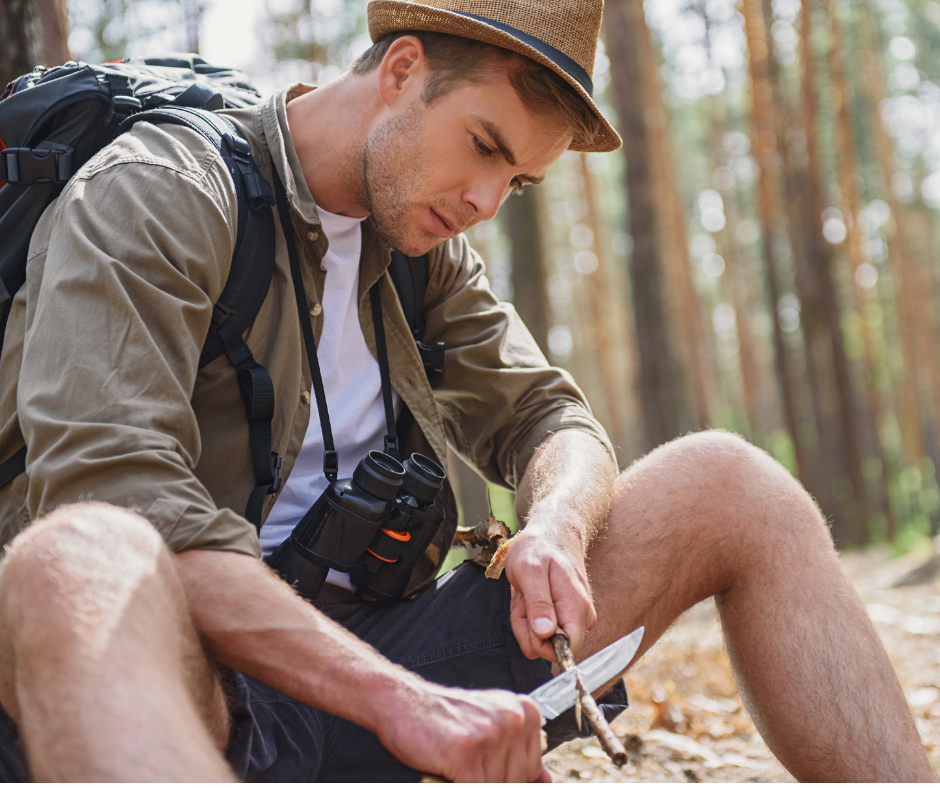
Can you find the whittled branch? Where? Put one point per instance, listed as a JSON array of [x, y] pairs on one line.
[[596, 721]]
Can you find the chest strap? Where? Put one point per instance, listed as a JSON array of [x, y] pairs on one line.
[[330, 455]]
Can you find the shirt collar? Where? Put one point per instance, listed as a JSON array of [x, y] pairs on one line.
[[283, 154]]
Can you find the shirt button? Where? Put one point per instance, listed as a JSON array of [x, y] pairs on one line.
[[313, 235], [315, 310], [305, 397]]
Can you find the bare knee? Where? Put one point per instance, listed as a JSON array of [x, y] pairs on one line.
[[85, 558], [66, 575], [714, 485], [84, 540]]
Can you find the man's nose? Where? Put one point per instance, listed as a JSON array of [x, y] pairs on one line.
[[485, 200]]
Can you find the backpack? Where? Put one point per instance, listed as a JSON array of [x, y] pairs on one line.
[[54, 120]]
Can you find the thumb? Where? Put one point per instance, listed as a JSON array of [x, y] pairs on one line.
[[541, 614]]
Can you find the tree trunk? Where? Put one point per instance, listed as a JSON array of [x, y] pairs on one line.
[[739, 289], [522, 222], [764, 135], [926, 291], [685, 312], [818, 434], [20, 35], [191, 16], [848, 178], [898, 253], [55, 32], [665, 409], [605, 303]]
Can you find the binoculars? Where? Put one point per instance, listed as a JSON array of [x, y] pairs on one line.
[[376, 526]]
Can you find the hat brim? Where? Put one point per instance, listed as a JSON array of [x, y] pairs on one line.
[[389, 16]]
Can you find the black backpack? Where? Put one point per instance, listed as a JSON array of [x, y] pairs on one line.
[[53, 120]]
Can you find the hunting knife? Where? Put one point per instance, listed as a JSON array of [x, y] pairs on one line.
[[559, 694]]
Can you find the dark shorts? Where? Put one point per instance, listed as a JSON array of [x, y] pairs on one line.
[[454, 633]]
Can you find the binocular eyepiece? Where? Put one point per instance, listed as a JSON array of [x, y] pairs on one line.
[[376, 526]]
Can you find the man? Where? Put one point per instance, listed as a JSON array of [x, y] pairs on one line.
[[112, 631]]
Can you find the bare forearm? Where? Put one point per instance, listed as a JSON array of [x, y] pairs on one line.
[[254, 623], [568, 483], [564, 498], [251, 621]]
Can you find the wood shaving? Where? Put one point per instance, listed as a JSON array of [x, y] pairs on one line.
[[491, 537], [498, 562]]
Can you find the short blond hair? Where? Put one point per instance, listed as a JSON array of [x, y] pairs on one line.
[[455, 60]]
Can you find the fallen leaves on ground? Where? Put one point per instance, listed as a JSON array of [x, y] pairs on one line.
[[686, 721]]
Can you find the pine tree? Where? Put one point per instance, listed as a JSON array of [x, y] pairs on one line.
[[665, 408]]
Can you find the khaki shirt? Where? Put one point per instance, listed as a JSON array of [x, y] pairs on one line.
[[99, 375]]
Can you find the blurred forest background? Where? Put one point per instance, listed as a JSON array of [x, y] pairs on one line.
[[759, 257]]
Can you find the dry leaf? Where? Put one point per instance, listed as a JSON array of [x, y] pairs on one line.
[[490, 536]]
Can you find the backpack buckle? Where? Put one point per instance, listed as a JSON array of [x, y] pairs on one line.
[[220, 313], [432, 356], [24, 166], [125, 104], [123, 100], [239, 147]]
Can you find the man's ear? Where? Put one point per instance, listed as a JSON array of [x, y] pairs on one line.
[[401, 72]]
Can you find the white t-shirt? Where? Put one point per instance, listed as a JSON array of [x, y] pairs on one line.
[[352, 384]]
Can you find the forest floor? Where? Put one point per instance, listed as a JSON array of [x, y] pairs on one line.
[[686, 721]]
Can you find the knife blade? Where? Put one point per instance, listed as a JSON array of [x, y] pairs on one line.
[[558, 695]]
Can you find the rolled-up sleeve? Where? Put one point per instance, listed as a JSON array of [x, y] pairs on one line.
[[119, 304], [499, 398]]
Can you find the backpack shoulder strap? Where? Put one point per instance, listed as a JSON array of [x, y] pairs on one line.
[[253, 260], [245, 289], [13, 466], [410, 276]]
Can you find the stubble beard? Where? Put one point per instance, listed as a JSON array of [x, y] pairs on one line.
[[392, 173]]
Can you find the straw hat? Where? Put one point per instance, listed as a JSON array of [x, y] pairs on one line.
[[559, 34]]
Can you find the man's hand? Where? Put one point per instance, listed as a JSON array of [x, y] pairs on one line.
[[565, 496], [467, 736], [550, 589]]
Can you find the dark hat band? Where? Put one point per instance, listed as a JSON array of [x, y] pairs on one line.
[[557, 57]]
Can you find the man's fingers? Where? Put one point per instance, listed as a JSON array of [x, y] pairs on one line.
[[520, 628], [571, 623], [573, 608], [515, 755], [533, 741]]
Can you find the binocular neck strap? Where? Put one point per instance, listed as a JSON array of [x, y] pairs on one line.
[[330, 456], [391, 439]]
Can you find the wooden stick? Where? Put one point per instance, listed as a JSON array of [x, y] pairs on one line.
[[596, 721]]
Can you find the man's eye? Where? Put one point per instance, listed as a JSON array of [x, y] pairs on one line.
[[515, 186], [483, 149]]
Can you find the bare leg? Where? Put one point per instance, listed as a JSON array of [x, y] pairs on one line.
[[710, 515], [100, 665]]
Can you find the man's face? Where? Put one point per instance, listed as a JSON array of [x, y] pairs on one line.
[[430, 171]]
